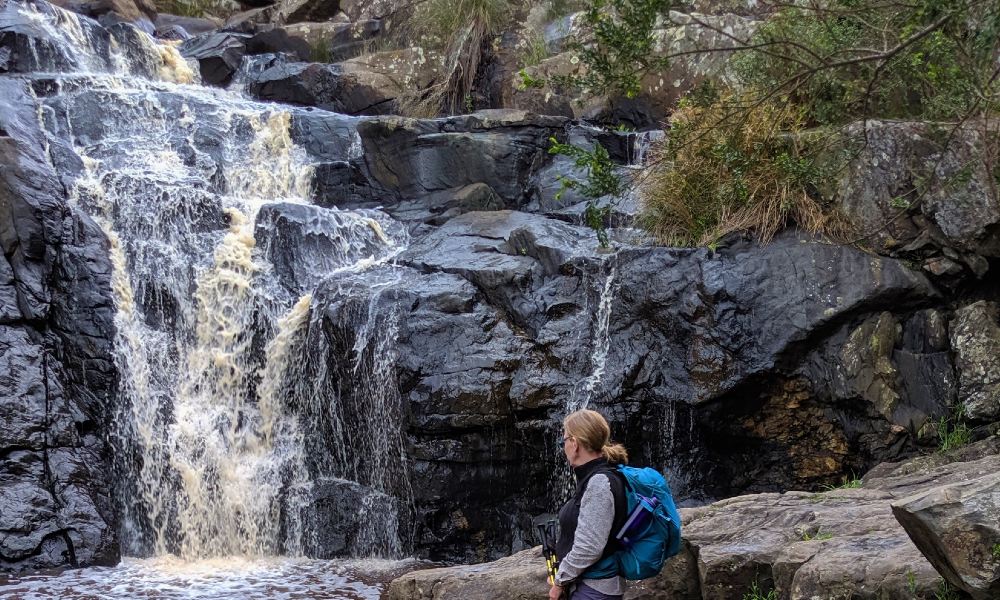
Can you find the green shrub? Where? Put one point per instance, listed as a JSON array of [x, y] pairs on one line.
[[996, 551], [534, 50], [527, 81], [440, 20], [197, 8], [945, 591], [717, 172], [839, 60], [622, 50], [851, 483], [601, 180], [819, 536]]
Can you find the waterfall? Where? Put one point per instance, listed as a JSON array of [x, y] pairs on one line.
[[600, 342], [217, 415]]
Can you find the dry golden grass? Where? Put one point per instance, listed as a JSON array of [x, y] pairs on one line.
[[726, 167]]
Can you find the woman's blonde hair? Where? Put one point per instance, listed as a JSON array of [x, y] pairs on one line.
[[591, 430]]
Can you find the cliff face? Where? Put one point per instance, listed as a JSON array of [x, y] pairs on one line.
[[737, 369], [58, 374]]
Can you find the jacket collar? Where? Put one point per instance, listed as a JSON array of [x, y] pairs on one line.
[[586, 469]]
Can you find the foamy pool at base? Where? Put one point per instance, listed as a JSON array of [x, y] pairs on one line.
[[220, 578]]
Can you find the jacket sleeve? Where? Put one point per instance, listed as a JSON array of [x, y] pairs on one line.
[[593, 526]]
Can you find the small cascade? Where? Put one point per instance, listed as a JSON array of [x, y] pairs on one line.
[[348, 383], [643, 142], [217, 254], [600, 342]]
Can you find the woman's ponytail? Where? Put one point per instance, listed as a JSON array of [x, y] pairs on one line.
[[615, 453]]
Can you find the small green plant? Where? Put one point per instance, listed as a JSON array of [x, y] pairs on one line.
[[601, 181], [321, 51], [528, 82], [623, 48], [533, 50], [900, 202], [819, 536], [849, 483], [953, 432], [755, 593], [945, 591], [995, 551], [911, 581]]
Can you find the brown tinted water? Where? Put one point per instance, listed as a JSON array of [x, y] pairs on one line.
[[169, 578]]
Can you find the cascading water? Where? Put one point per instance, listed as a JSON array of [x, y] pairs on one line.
[[212, 425], [600, 341]]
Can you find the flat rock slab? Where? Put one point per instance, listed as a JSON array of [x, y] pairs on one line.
[[958, 527], [517, 577]]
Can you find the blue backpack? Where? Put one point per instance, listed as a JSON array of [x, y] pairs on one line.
[[650, 535]]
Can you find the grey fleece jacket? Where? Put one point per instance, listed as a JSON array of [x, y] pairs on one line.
[[597, 513]]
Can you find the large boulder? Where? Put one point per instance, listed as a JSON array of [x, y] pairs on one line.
[[957, 527], [975, 339], [517, 577], [218, 55], [918, 190]]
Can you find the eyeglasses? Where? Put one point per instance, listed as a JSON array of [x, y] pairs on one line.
[[566, 438]]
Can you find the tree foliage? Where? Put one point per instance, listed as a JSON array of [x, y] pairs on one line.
[[622, 49]]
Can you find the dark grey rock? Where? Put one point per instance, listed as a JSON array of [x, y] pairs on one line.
[[9, 311], [218, 55], [58, 371], [31, 46], [308, 243], [278, 41], [317, 84], [502, 149], [190, 26], [957, 210]]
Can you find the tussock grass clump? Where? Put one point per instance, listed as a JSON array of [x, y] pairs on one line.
[[198, 8], [721, 170], [462, 28]]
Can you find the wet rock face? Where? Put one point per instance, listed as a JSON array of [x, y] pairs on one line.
[[411, 158], [704, 365], [57, 370]]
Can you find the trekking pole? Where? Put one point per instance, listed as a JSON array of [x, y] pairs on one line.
[[546, 551], [553, 562]]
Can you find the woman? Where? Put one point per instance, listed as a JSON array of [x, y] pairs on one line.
[[596, 510]]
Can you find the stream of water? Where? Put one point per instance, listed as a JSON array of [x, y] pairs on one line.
[[214, 478]]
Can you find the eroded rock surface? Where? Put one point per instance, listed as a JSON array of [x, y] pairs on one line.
[[56, 369]]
